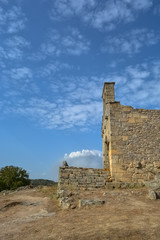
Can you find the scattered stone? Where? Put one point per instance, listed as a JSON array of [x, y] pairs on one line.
[[157, 177], [73, 206], [152, 184], [90, 202], [65, 164], [157, 191], [152, 195], [64, 193], [66, 202], [41, 214]]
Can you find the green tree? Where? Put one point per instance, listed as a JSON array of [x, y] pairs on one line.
[[13, 177]]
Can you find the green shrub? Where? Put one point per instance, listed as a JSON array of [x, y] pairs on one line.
[[13, 177]]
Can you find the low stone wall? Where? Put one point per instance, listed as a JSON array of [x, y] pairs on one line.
[[82, 178]]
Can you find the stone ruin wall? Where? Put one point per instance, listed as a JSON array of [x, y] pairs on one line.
[[131, 141], [81, 178]]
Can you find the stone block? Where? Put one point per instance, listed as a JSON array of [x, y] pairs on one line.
[[152, 195], [90, 202], [125, 138], [132, 120]]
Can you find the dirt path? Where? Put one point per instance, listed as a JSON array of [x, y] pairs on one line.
[[33, 214]]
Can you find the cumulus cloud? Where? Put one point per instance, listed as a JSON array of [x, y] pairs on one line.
[[131, 42], [84, 158], [100, 14]]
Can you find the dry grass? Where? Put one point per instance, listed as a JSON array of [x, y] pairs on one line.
[[126, 215], [50, 192]]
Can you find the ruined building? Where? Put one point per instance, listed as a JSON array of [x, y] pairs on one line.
[[131, 147], [131, 140]]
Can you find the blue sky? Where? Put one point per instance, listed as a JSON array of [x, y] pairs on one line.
[[55, 56]]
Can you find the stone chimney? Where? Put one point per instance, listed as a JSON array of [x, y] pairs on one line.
[[108, 92]]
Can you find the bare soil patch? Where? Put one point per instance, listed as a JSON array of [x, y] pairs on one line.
[[34, 214]]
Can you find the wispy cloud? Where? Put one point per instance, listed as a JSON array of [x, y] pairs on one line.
[[52, 68], [78, 103], [53, 115], [16, 41], [131, 42], [139, 86], [17, 80], [12, 21], [76, 100], [13, 48], [73, 43], [100, 14], [20, 73]]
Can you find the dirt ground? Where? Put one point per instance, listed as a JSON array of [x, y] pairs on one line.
[[33, 214]]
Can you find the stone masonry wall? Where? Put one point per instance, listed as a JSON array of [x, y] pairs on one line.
[[131, 141], [81, 178], [135, 143]]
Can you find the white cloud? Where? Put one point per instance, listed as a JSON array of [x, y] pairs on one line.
[[70, 7], [10, 53], [83, 153], [100, 14], [20, 73], [19, 81], [62, 116], [78, 103], [73, 44], [13, 48], [131, 42], [138, 72], [139, 4], [156, 69], [12, 21], [85, 158], [16, 41], [52, 68], [139, 86]]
